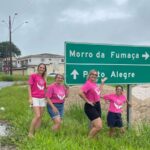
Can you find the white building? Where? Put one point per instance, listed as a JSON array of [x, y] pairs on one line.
[[28, 64]]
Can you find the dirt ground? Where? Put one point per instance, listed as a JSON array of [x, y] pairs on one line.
[[140, 110]]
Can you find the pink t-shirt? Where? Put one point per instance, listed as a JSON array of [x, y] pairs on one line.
[[116, 102], [57, 93], [38, 85], [91, 91]]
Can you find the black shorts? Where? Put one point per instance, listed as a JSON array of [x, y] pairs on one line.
[[93, 112], [114, 120]]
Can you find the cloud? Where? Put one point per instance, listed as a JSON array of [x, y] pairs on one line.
[[85, 16], [51, 22], [120, 2]]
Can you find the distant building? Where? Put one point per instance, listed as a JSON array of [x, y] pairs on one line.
[[5, 64], [1, 64], [28, 64]]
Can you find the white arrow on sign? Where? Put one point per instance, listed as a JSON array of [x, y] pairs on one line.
[[146, 55], [74, 73]]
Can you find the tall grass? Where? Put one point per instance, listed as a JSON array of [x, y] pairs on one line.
[[4, 77], [24, 79], [73, 135]]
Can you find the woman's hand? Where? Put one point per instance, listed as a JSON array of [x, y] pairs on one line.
[[66, 86], [129, 104], [30, 101], [90, 103], [55, 110], [104, 79]]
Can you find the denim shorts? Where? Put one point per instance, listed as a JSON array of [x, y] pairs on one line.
[[60, 108]]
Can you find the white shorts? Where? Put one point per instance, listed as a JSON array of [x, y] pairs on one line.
[[38, 102]]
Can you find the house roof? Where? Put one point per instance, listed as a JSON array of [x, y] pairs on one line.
[[44, 55]]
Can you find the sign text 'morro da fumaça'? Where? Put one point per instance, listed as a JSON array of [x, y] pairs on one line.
[[99, 54], [86, 53]]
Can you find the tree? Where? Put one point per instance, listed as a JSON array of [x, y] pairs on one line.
[[4, 50]]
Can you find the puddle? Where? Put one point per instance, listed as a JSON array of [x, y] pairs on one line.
[[4, 129], [7, 147], [4, 132]]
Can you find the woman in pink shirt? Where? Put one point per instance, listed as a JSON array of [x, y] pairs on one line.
[[115, 109], [36, 90], [90, 93], [56, 94]]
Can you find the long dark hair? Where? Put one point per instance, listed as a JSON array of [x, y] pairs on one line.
[[44, 73], [119, 86]]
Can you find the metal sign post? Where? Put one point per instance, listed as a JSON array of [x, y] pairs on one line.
[[129, 110]]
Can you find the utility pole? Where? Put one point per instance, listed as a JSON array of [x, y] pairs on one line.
[[10, 51], [10, 46]]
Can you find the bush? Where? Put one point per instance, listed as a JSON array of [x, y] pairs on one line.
[[6, 78], [13, 78]]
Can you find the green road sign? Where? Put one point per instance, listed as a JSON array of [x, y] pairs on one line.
[[121, 64]]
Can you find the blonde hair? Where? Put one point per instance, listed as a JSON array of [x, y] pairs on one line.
[[44, 75], [90, 72]]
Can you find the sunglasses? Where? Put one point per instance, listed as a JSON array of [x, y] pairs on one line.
[[60, 78], [94, 74], [118, 89]]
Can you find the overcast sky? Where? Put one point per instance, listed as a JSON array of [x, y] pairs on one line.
[[52, 22]]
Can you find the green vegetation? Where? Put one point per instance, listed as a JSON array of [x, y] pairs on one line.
[[4, 49], [73, 135], [4, 77], [15, 78]]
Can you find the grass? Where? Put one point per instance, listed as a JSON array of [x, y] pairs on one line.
[[73, 135], [7, 77]]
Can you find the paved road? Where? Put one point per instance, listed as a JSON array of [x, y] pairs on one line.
[[5, 84]]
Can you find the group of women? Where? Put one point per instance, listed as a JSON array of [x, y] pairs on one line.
[[53, 96]]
